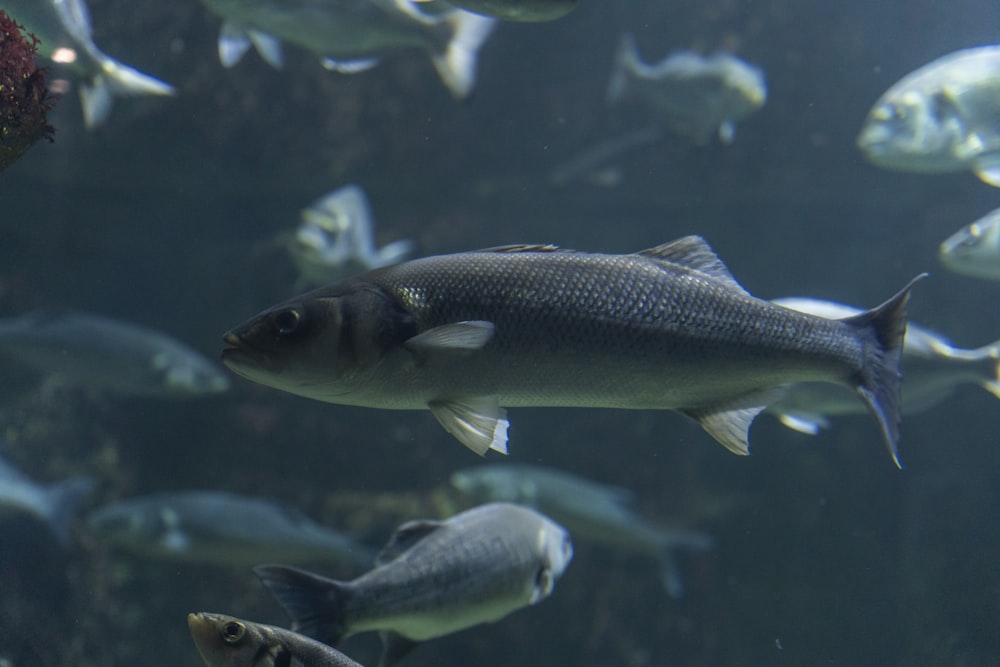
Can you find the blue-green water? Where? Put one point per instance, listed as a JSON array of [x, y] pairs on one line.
[[167, 216]]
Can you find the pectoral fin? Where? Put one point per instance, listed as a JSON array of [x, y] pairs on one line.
[[395, 647], [460, 336], [478, 422]]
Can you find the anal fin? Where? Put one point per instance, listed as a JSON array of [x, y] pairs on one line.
[[478, 422]]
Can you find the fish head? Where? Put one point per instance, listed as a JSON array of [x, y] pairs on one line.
[[556, 550], [224, 641], [325, 344], [912, 130], [974, 249]]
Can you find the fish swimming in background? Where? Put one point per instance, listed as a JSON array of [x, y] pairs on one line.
[[55, 505], [464, 335], [933, 369], [589, 510], [105, 353], [336, 239], [528, 11], [974, 250], [695, 96], [433, 578], [222, 528], [351, 35], [224, 641], [942, 117], [65, 37]]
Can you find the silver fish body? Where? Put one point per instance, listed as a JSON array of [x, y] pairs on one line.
[[55, 505], [433, 578], [222, 528], [933, 368], [110, 354], [589, 510], [529, 11], [695, 96], [974, 250], [351, 35], [943, 117], [464, 334], [225, 641], [63, 26]]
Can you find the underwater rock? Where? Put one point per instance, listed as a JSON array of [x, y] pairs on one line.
[[24, 99]]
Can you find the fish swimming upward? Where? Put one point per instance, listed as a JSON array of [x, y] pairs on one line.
[[665, 328]]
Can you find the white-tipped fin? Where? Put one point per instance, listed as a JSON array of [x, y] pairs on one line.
[[234, 42], [988, 170], [392, 253], [478, 422], [348, 66], [268, 48], [808, 423], [116, 80], [460, 336], [457, 65]]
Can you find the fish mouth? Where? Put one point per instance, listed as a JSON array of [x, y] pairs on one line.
[[240, 356]]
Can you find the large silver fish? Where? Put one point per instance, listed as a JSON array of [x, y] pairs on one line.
[[53, 504], [64, 35], [664, 328], [942, 117], [351, 35], [933, 367], [100, 352], [588, 510], [224, 641], [433, 578], [222, 528], [695, 96], [974, 250]]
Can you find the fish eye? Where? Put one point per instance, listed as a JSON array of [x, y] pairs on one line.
[[286, 321], [232, 632]]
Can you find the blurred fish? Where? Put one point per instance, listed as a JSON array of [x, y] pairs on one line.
[[224, 641], [517, 10], [695, 96], [974, 250], [64, 35], [222, 528], [53, 504], [587, 509], [351, 35], [100, 352], [591, 165], [433, 578], [933, 370], [943, 117], [663, 328], [336, 239]]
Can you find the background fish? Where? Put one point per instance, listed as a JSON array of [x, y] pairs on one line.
[[942, 117], [432, 578], [53, 504], [518, 10], [589, 510], [974, 250], [665, 328], [224, 641]]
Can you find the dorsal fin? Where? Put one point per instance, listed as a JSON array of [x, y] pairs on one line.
[[524, 247], [693, 252], [405, 537]]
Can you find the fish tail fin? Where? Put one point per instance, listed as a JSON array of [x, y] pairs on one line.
[[116, 80], [627, 56], [670, 574], [316, 604], [456, 65], [879, 381], [63, 500]]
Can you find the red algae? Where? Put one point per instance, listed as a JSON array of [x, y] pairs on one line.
[[24, 98]]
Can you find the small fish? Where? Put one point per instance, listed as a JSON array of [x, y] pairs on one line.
[[336, 239], [695, 96], [933, 369], [974, 250], [224, 641], [53, 504], [588, 510], [942, 117], [465, 334], [527, 11], [104, 353], [222, 528], [65, 37], [351, 35], [432, 578]]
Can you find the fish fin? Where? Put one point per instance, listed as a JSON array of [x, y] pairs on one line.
[[992, 352], [693, 252], [524, 247], [234, 42], [96, 100], [395, 647], [393, 253], [62, 501], [459, 336], [730, 423], [268, 48], [727, 132], [988, 171], [804, 422], [348, 66], [626, 58], [879, 380], [478, 422], [404, 538], [315, 604], [670, 575], [457, 64]]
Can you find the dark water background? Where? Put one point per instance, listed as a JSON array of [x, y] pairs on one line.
[[826, 554]]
